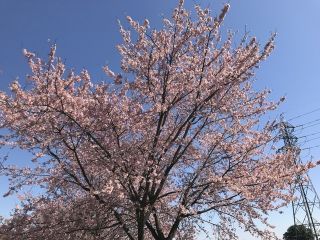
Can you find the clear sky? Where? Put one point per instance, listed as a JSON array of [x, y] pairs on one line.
[[86, 33]]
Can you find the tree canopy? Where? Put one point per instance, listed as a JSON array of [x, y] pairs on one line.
[[298, 232], [172, 144]]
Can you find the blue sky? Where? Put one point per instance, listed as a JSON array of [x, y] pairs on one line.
[[86, 33]]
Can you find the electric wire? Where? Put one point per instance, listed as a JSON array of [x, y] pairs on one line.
[[308, 135], [310, 126], [308, 148], [304, 124], [301, 115], [307, 125], [312, 139]]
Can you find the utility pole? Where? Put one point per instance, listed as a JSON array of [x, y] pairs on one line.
[[306, 206]]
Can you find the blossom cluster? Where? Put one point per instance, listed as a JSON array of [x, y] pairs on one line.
[[174, 141]]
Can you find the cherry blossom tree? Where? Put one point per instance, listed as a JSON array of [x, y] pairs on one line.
[[169, 146]]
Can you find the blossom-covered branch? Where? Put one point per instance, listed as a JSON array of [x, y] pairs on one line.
[[170, 144]]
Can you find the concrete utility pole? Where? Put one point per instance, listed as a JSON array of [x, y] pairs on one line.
[[306, 207]]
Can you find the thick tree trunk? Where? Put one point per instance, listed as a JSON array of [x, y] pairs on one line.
[[141, 223], [174, 229]]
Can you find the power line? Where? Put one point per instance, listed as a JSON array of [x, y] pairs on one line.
[[307, 113], [309, 140], [304, 124], [306, 203], [311, 125], [308, 148], [308, 135]]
